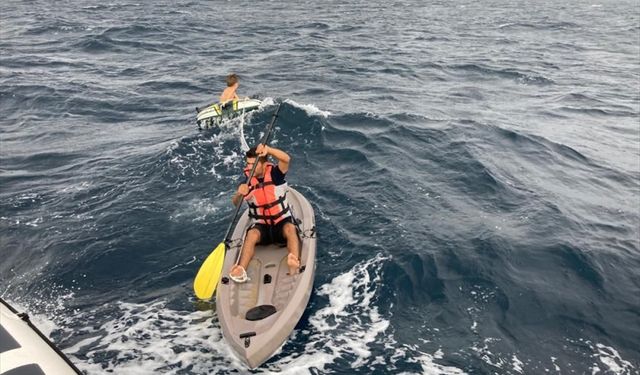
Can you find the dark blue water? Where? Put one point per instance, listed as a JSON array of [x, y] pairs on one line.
[[474, 167]]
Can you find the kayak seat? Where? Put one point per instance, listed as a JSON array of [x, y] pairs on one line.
[[260, 312]]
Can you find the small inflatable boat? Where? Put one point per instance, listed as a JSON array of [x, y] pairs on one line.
[[24, 350], [214, 114]]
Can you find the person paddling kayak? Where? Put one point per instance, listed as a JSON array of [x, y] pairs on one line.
[[269, 211]]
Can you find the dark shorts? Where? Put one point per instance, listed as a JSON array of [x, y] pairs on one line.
[[272, 234]]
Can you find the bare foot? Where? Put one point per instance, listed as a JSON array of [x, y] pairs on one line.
[[294, 264], [236, 271], [238, 274]]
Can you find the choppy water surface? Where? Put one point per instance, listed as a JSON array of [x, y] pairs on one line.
[[474, 168]]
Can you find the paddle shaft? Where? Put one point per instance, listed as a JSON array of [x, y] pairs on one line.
[[264, 141]]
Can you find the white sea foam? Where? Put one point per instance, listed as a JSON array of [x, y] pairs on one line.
[[487, 356], [606, 359], [147, 339], [611, 359], [153, 338], [266, 102], [193, 157], [82, 186], [517, 364], [196, 210], [311, 109], [349, 298], [429, 367], [555, 365], [351, 323]]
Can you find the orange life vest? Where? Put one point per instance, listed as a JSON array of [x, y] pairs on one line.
[[267, 201]]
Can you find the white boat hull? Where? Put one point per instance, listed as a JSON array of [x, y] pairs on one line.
[[25, 350]]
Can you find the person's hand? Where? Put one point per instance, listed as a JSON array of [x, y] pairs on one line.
[[243, 189], [262, 150]]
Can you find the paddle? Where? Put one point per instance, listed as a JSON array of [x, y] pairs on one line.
[[207, 277]]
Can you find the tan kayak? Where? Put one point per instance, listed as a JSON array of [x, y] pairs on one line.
[[258, 316]]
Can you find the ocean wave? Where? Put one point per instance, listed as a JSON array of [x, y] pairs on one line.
[[205, 155], [349, 323], [542, 25], [55, 26], [310, 109], [97, 44], [315, 25], [597, 111], [527, 78]]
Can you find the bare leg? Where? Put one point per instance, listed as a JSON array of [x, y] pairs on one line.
[[248, 249], [293, 245]]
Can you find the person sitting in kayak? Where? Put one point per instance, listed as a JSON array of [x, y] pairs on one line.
[[271, 220], [230, 92]]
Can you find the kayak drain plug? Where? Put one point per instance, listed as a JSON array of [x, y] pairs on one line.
[[247, 338]]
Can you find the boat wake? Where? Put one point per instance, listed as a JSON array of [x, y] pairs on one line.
[[349, 328]]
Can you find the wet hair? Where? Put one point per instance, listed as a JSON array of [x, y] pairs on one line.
[[251, 153], [232, 79]]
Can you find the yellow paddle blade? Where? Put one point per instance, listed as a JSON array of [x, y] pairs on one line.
[[207, 278]]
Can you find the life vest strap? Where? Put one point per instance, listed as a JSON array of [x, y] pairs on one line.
[[268, 217], [268, 205]]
